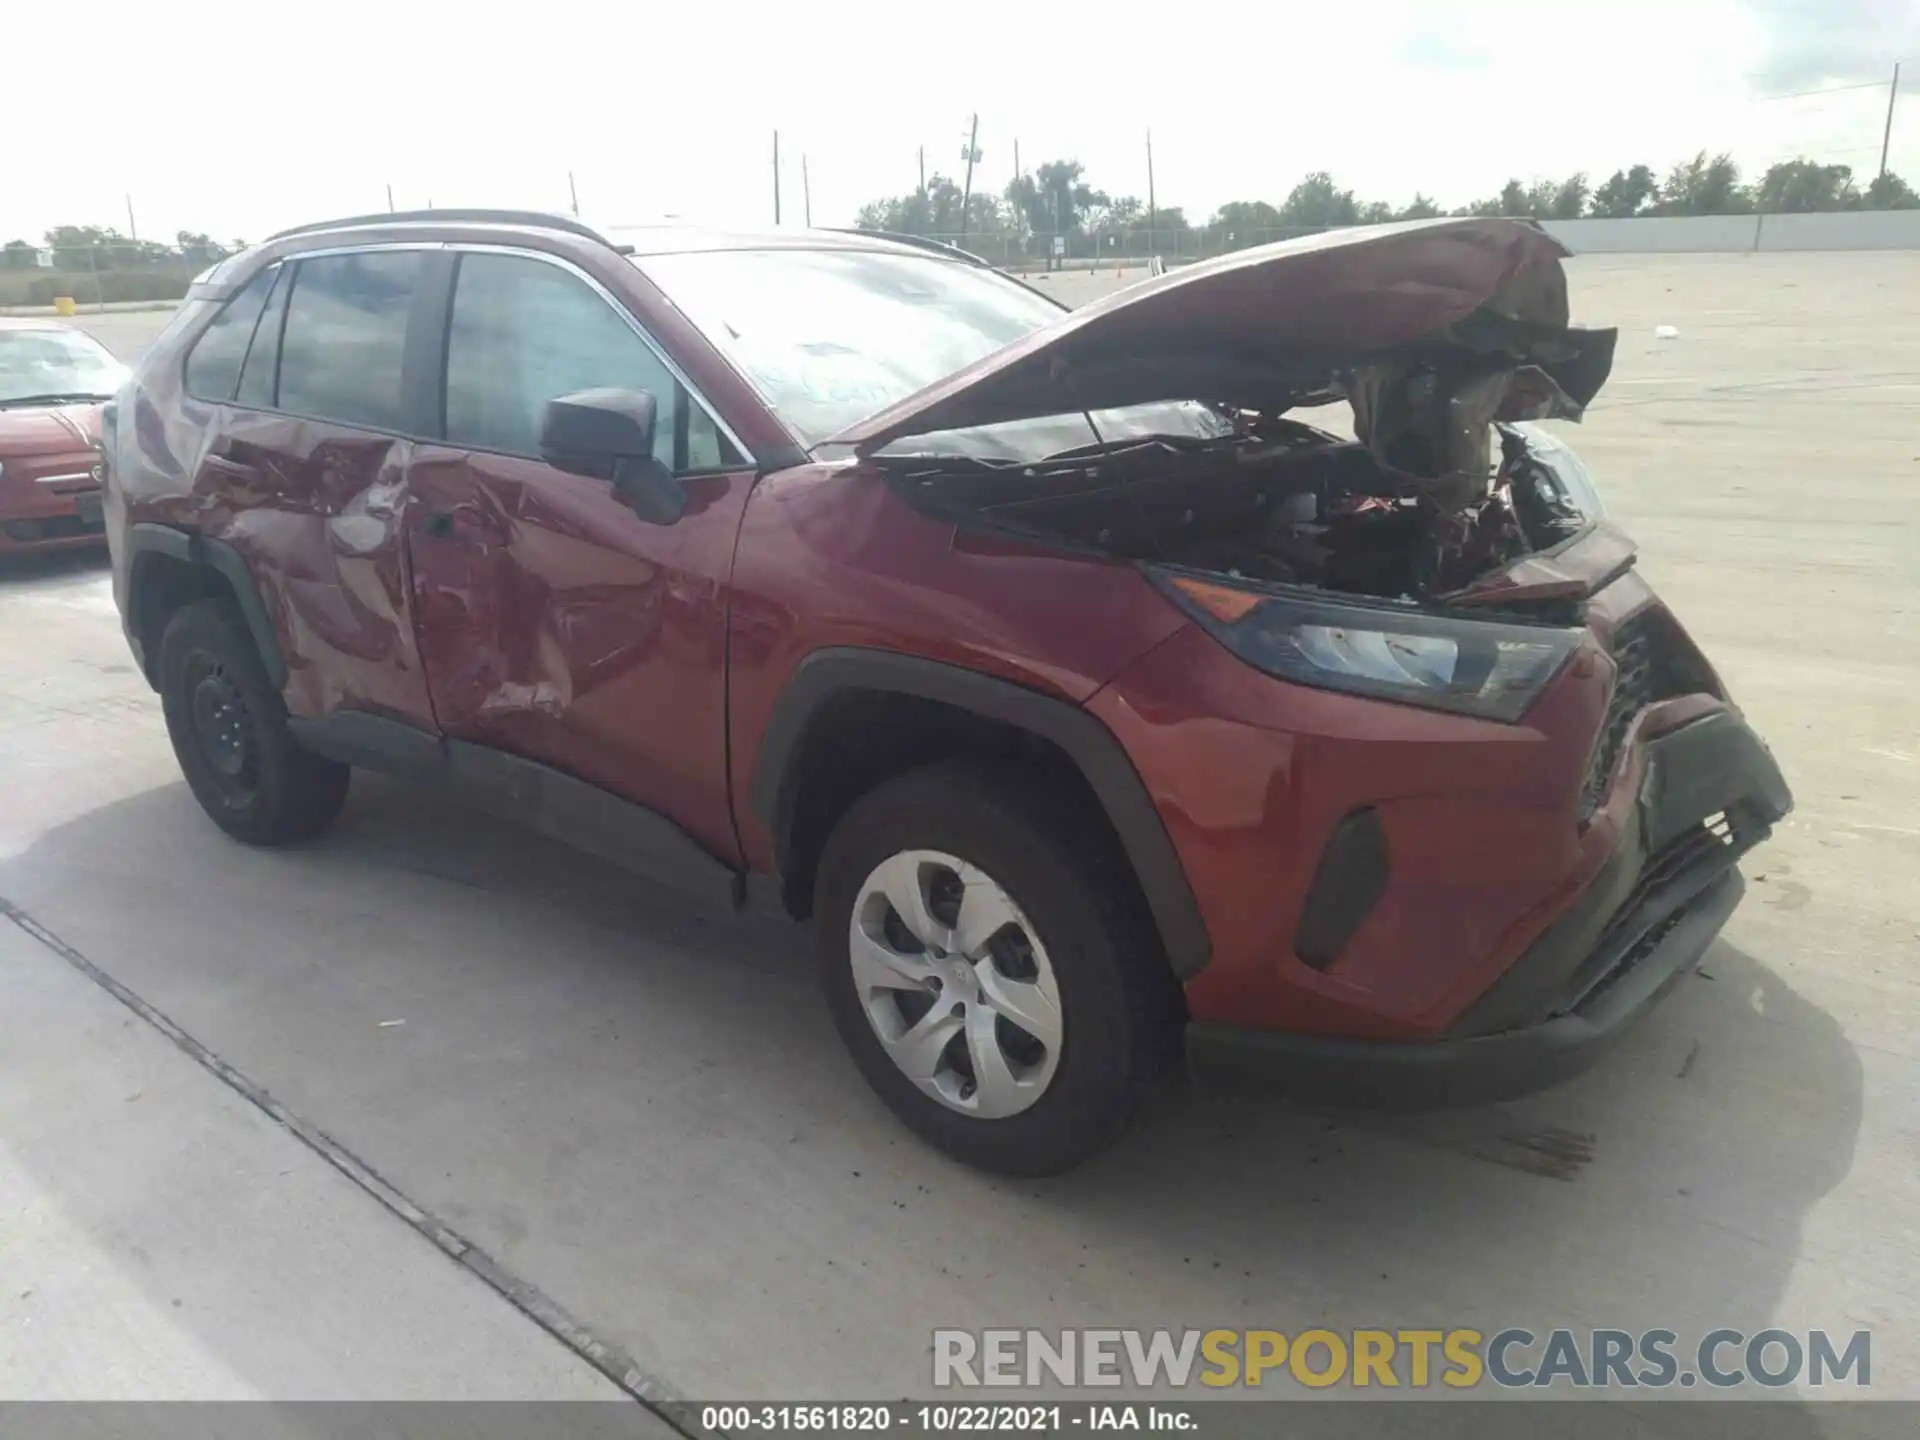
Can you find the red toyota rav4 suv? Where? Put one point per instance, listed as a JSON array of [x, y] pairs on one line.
[[1088, 702]]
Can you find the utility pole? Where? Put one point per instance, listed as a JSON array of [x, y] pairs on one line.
[[1016, 159], [133, 230], [776, 177], [1886, 136], [923, 169], [573, 195], [390, 198], [806, 193], [966, 193], [1150, 206]]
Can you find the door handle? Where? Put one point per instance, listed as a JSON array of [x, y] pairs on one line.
[[232, 469], [466, 522]]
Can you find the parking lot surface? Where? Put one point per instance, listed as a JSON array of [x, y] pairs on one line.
[[640, 1109]]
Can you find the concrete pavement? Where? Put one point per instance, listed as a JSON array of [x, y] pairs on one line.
[[641, 1107], [162, 1238]]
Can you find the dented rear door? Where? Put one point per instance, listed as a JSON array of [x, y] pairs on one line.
[[304, 472]]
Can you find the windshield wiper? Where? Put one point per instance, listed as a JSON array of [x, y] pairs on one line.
[[53, 397], [1128, 444]]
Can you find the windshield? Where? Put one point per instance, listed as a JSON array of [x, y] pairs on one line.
[[55, 363], [828, 337]]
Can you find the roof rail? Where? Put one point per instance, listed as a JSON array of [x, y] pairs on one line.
[[919, 242], [454, 217]]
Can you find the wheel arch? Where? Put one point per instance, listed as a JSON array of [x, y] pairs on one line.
[[945, 708], [168, 568]]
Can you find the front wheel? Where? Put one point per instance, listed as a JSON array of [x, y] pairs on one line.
[[985, 965]]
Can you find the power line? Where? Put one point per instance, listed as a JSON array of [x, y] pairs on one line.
[[1824, 90]]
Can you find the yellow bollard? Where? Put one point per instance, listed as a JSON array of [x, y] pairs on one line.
[[63, 305]]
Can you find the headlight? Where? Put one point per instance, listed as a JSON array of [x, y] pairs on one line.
[[1489, 668], [1567, 472]]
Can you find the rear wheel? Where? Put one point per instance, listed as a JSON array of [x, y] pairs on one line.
[[229, 733], [984, 964]]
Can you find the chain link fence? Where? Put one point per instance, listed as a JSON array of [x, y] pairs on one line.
[[95, 276], [1099, 250]]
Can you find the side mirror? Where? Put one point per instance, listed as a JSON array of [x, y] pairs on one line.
[[608, 435]]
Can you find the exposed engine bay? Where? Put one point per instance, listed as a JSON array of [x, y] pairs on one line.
[[1282, 502], [1447, 482]]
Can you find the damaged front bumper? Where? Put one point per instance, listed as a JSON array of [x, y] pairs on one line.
[[1708, 793]]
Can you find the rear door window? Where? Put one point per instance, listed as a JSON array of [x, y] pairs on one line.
[[524, 332], [213, 365], [342, 353]]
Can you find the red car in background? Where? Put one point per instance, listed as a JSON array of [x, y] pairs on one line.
[[53, 381], [1088, 701]]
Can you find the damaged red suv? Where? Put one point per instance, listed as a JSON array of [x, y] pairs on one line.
[[1095, 709]]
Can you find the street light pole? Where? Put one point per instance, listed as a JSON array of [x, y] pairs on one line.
[[776, 177]]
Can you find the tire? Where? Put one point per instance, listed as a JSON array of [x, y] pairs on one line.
[[229, 733], [1117, 1004]]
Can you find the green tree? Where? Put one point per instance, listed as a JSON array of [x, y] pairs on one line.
[[934, 210], [1889, 192], [1705, 187], [17, 255], [1420, 208], [199, 249], [1801, 187], [1248, 216], [1569, 200], [1316, 201], [1626, 193], [1055, 199], [84, 247]]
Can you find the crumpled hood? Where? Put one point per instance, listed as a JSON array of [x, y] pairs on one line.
[[1276, 326], [50, 430]]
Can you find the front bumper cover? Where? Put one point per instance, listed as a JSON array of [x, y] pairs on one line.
[[1644, 921]]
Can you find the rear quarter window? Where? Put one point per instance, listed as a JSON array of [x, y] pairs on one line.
[[213, 364]]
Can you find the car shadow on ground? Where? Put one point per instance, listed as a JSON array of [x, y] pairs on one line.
[[634, 1102]]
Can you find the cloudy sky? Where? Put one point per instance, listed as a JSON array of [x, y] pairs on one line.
[[239, 118]]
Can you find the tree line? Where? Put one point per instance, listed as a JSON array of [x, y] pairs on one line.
[[1056, 199], [90, 262], [80, 248]]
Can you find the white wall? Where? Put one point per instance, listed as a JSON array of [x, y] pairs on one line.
[[1870, 230]]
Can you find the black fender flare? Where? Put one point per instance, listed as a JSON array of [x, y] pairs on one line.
[[1083, 738], [147, 540]]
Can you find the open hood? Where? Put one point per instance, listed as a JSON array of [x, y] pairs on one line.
[[1303, 320]]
